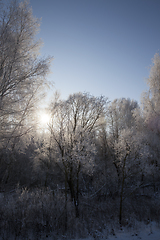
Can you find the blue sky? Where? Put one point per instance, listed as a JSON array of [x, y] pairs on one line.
[[103, 47]]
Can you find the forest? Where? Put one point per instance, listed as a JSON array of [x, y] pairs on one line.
[[94, 166]]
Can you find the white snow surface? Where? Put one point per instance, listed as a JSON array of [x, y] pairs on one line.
[[148, 232]]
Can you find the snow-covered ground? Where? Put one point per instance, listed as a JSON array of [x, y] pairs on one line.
[[147, 232], [150, 232], [141, 232]]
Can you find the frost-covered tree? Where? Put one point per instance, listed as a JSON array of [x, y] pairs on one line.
[[73, 129], [130, 159], [22, 79], [120, 115], [151, 114], [22, 71], [151, 98]]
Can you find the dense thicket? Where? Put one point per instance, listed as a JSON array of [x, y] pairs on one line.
[[95, 166]]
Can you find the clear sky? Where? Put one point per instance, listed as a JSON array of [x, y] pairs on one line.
[[103, 47]]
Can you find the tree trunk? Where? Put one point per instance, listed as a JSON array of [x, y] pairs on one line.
[[122, 188], [77, 194], [121, 202], [66, 217]]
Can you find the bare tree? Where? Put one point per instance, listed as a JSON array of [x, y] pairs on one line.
[[22, 76], [131, 154], [22, 71], [151, 116], [120, 115], [151, 98], [73, 129]]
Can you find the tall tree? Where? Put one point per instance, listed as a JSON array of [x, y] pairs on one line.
[[151, 115], [130, 159], [22, 71], [73, 129], [22, 77], [120, 116], [151, 98]]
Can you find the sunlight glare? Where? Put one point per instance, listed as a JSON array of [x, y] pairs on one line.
[[44, 119]]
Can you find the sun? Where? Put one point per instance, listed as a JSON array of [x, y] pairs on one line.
[[44, 119]]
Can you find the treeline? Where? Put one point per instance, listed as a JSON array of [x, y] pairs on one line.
[[95, 165]]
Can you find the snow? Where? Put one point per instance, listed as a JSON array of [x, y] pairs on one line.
[[145, 234], [148, 232]]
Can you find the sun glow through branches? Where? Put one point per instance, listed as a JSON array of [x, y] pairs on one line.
[[45, 118]]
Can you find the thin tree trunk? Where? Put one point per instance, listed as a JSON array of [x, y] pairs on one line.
[[66, 216], [122, 190], [77, 193]]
